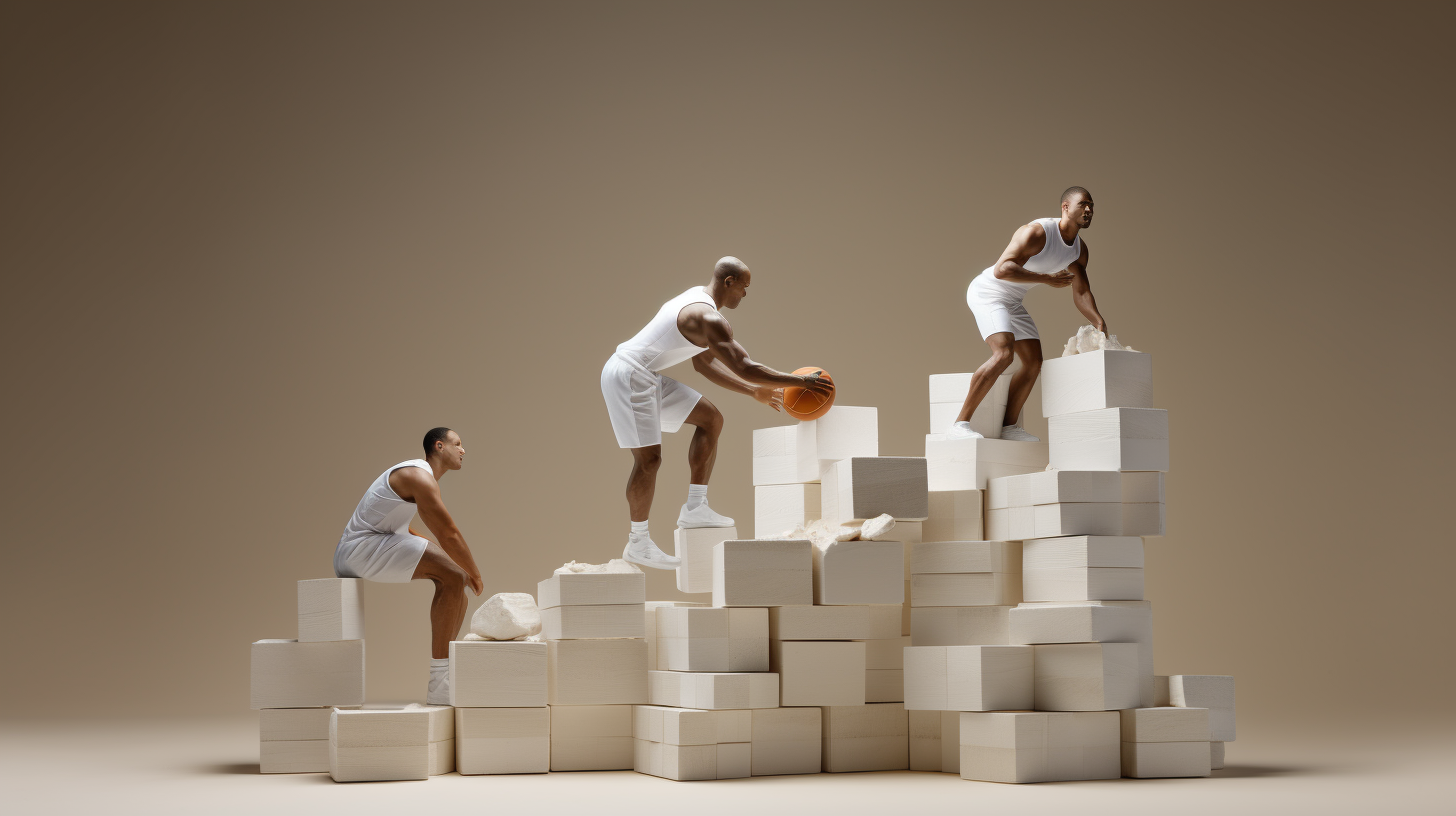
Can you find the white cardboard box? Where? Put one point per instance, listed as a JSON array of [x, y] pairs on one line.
[[686, 763], [695, 547], [875, 622], [1087, 676], [948, 395], [969, 464], [776, 459], [1039, 746], [863, 487], [330, 609], [787, 740], [591, 738], [1110, 439], [290, 674], [960, 626], [649, 628], [1092, 621], [964, 556], [689, 726], [859, 572], [1054, 487], [1082, 551], [819, 673], [712, 639], [592, 589], [781, 508], [498, 674], [1214, 692], [1097, 379], [713, 690], [503, 740], [1164, 724], [965, 589], [871, 737], [1082, 584], [763, 573], [1162, 760], [968, 678], [377, 746], [596, 672], [843, 432], [955, 515], [595, 621]]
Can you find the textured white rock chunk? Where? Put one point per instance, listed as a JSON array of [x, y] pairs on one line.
[[877, 527], [616, 565], [506, 616]]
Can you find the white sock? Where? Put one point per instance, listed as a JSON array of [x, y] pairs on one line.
[[639, 529], [697, 495], [965, 425], [439, 666]]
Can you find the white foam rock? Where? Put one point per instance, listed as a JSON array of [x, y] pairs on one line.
[[615, 566], [506, 616], [877, 527]]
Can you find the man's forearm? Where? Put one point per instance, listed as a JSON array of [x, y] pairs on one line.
[[1013, 271], [1087, 305], [454, 546], [718, 374]]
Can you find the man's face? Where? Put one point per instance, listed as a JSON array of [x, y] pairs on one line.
[[1080, 209], [451, 450], [737, 290]]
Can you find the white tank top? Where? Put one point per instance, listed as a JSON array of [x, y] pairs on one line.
[[382, 511], [1055, 256], [660, 345]]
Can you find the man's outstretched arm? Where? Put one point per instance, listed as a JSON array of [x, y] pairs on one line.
[[1082, 291], [425, 493], [735, 359]]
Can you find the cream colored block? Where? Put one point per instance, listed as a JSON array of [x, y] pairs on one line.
[[865, 622], [964, 557], [1082, 584], [950, 742], [863, 487], [591, 738], [782, 508], [1144, 519], [686, 763], [1143, 487], [377, 746], [294, 724], [442, 737], [596, 672], [1039, 746], [1092, 621], [1214, 692], [960, 626], [786, 740], [1011, 524], [1110, 439], [885, 653], [599, 621], [1054, 487], [871, 737], [1160, 691], [686, 726], [819, 673], [955, 515], [906, 617], [965, 589], [712, 639], [503, 740], [442, 756], [884, 685], [1101, 519], [1163, 760], [498, 674], [844, 432], [1082, 551], [591, 589], [330, 609], [290, 674], [776, 459], [298, 756], [948, 394], [925, 740], [763, 573], [1216, 756], [859, 572], [1087, 676], [713, 690], [968, 464], [649, 629], [1097, 379], [1165, 724], [694, 546], [968, 678]]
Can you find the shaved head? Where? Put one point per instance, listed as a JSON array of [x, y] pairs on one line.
[[728, 265], [1073, 192]]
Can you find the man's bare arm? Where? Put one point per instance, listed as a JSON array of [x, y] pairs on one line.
[[424, 491], [1082, 291], [716, 372], [734, 357], [1025, 244]]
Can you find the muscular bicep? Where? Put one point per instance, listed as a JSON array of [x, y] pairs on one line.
[[1025, 243], [431, 507], [718, 337]]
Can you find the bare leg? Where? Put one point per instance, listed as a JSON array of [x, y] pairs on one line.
[[703, 452], [985, 376], [447, 610], [642, 484], [1029, 353]]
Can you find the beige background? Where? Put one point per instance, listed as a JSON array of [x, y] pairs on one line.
[[253, 251]]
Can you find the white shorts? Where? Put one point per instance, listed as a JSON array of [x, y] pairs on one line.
[[643, 404], [999, 313], [390, 558]]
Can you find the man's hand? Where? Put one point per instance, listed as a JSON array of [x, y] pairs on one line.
[[816, 384], [1061, 280], [770, 396], [476, 585]]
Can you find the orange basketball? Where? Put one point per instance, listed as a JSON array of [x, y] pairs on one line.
[[803, 404]]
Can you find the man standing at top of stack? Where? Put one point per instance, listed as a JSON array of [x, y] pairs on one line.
[[643, 404], [1050, 251], [378, 545]]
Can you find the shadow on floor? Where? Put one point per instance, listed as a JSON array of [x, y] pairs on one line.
[[232, 768], [1252, 771]]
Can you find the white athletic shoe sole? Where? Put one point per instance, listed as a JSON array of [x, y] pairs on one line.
[[962, 433], [701, 516], [652, 559], [1016, 434]]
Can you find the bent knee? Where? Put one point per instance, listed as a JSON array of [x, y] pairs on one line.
[[649, 461], [1001, 359]]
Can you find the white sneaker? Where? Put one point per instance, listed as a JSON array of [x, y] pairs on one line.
[[701, 516], [439, 690], [643, 552], [962, 430], [1016, 433]]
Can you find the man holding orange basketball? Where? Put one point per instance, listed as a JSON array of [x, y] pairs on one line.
[[1050, 251], [643, 404]]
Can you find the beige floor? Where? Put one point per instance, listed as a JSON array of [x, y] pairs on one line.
[[210, 767]]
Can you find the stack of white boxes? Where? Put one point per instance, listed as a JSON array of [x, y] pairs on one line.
[[297, 683], [502, 723]]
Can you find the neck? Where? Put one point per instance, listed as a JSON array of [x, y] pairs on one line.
[[716, 293], [1068, 228], [436, 467]]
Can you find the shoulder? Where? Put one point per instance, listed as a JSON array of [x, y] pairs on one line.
[[1031, 235], [411, 478], [700, 315]]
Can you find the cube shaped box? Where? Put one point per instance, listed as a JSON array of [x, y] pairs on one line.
[[778, 509], [1164, 724], [864, 487], [955, 515], [763, 573], [290, 674], [1054, 487], [1214, 692], [1097, 379], [1082, 551], [712, 639], [713, 690], [776, 459], [1086, 676], [948, 395], [1092, 621], [294, 740], [694, 546], [1039, 746], [968, 464], [964, 557], [871, 737], [819, 673], [1163, 760], [787, 740], [592, 589], [960, 626], [330, 609], [688, 726], [968, 678], [377, 746], [650, 624], [845, 431], [1110, 439], [595, 621], [591, 738], [965, 589], [498, 674], [873, 622], [503, 740], [596, 672], [859, 572], [685, 763], [1082, 584]]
